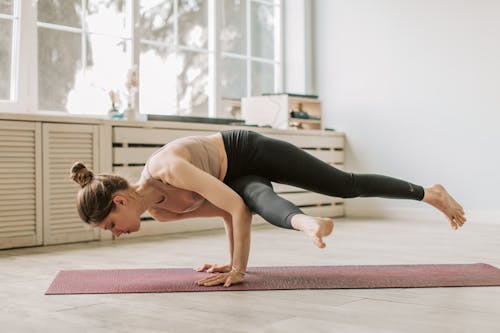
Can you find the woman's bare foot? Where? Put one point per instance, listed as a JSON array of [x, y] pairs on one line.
[[437, 196], [315, 227]]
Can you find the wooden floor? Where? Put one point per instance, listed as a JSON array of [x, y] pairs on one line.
[[26, 274]]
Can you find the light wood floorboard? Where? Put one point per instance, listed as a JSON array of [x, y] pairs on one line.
[[26, 274]]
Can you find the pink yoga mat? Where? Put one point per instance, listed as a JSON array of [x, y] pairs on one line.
[[269, 278]]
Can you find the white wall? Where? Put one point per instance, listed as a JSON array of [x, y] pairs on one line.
[[298, 46], [415, 84]]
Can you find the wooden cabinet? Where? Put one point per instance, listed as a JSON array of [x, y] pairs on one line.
[[20, 184], [63, 144], [38, 198]]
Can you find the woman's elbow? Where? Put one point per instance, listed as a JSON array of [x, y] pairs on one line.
[[242, 212]]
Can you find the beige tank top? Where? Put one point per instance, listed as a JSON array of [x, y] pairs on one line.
[[205, 156]]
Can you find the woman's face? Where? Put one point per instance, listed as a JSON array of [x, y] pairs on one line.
[[122, 220]]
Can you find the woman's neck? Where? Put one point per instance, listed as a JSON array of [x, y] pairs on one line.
[[147, 195]]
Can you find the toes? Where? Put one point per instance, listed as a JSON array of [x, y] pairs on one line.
[[461, 219], [319, 242], [453, 224], [462, 216], [458, 221]]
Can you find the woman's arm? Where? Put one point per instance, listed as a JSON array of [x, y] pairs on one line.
[[182, 174], [228, 225], [207, 209]]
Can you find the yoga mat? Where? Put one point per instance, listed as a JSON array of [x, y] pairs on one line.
[[276, 278]]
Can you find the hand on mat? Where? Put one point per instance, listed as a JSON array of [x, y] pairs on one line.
[[233, 277], [213, 268]]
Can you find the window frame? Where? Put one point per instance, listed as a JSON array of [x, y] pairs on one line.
[[25, 64], [249, 58], [23, 67]]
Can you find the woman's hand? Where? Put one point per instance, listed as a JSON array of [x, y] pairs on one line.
[[214, 268], [233, 277]]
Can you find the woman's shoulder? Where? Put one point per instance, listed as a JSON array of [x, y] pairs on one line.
[[178, 149], [160, 162]]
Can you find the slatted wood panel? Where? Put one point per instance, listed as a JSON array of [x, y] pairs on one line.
[[133, 146], [63, 145], [20, 206]]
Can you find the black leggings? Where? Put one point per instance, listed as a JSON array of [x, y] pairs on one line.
[[255, 160]]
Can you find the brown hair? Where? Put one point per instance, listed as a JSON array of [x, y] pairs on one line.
[[95, 198]]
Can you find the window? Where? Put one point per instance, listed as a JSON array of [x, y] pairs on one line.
[[84, 51], [9, 25], [250, 48], [174, 57], [192, 54]]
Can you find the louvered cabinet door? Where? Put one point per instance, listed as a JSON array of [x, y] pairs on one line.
[[62, 146], [20, 184]]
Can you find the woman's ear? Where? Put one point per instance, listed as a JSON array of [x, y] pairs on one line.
[[120, 200]]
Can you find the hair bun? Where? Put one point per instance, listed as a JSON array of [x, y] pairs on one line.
[[80, 174]]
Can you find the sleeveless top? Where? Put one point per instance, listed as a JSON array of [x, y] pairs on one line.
[[205, 156]]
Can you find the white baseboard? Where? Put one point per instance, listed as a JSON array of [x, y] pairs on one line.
[[475, 216]]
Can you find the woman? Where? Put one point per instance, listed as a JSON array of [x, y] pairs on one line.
[[229, 175]]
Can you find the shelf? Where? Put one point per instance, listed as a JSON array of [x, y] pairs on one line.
[[304, 100], [276, 111], [309, 121]]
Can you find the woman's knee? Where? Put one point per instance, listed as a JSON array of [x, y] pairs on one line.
[[250, 183], [252, 189]]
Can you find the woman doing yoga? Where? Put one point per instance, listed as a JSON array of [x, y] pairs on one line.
[[229, 175]]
